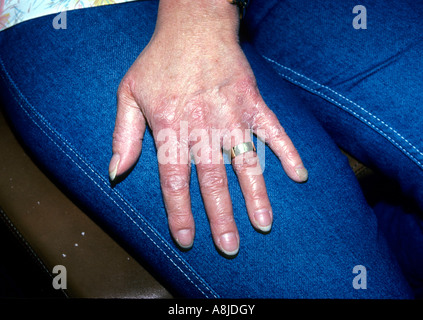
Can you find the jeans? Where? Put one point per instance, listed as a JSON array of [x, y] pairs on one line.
[[58, 88]]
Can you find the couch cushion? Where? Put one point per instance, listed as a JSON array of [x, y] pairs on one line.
[[60, 233]]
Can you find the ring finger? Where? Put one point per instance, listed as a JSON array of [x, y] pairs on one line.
[[248, 170]]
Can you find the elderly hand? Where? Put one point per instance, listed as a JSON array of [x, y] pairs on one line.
[[194, 88]]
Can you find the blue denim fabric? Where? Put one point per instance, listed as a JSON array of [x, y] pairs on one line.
[[365, 87], [369, 78], [58, 88]]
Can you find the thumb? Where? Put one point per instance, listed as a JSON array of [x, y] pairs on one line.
[[128, 133]]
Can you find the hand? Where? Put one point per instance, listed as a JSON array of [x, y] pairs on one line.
[[194, 88]]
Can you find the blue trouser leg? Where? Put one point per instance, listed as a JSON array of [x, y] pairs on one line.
[[59, 90], [365, 86], [368, 80]]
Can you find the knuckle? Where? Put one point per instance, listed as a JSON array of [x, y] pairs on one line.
[[166, 112], [276, 135], [287, 148], [244, 162], [291, 158], [199, 112], [249, 116], [247, 93], [266, 120], [213, 180], [165, 117], [125, 86], [175, 183], [280, 133], [223, 219], [291, 154], [125, 95], [124, 138], [246, 85], [256, 191], [178, 220]]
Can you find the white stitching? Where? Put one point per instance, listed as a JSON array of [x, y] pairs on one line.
[[348, 109], [68, 145], [124, 201]]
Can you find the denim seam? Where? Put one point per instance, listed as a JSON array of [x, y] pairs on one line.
[[334, 101], [68, 146]]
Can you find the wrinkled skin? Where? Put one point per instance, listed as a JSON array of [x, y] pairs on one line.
[[193, 77]]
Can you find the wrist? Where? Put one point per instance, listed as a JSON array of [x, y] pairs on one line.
[[199, 17]]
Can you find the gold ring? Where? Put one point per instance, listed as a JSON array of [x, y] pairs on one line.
[[242, 148]]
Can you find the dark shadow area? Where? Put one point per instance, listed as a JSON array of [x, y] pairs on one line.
[[21, 274]]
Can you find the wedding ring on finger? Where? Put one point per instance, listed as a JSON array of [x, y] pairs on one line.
[[242, 148]]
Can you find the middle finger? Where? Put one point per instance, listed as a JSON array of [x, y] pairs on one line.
[[217, 201]]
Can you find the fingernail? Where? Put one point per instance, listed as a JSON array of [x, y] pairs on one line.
[[229, 243], [184, 238], [113, 166], [302, 173], [263, 219]]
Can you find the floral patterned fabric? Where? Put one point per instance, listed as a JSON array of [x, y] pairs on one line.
[[15, 11]]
